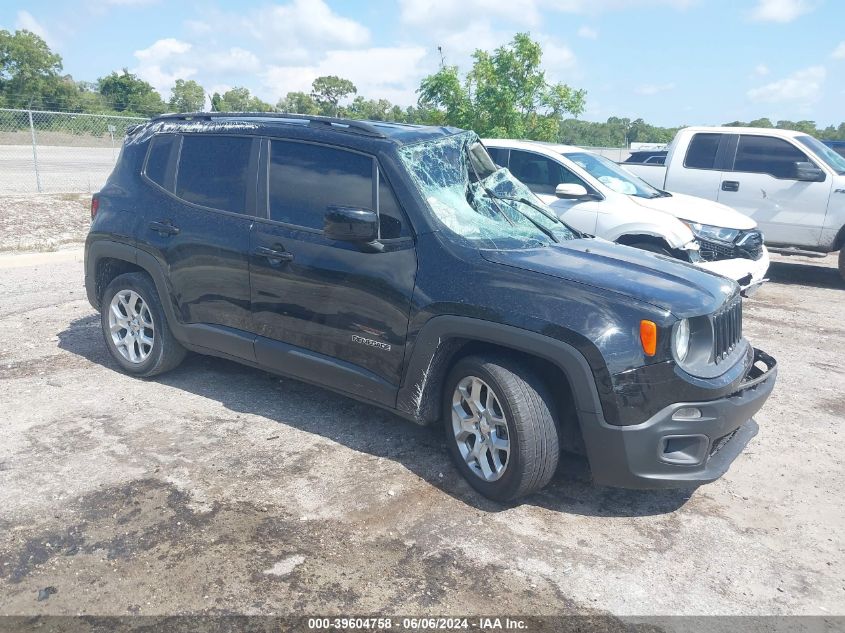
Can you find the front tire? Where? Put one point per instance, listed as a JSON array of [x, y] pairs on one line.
[[652, 247], [500, 427], [135, 328]]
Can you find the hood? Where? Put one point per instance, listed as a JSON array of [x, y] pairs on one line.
[[666, 283], [698, 210]]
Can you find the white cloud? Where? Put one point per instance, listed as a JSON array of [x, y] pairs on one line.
[[653, 89], [802, 87], [588, 33], [761, 70], [839, 51], [26, 21], [781, 10], [162, 50], [392, 82]]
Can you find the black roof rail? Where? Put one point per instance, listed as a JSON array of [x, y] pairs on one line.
[[335, 123]]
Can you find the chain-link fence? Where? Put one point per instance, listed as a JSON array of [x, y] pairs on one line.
[[58, 151]]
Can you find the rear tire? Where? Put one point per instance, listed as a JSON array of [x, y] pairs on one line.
[[135, 328], [842, 263], [500, 426]]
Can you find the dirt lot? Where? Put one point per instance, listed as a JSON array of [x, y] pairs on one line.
[[221, 489]]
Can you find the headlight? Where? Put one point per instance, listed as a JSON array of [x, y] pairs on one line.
[[680, 340], [710, 232]]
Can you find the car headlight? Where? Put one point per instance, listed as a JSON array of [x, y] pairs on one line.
[[681, 339], [710, 232]]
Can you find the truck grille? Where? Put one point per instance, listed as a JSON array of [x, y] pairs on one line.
[[747, 245], [727, 329]]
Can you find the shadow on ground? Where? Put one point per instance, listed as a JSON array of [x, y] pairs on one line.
[[371, 430], [803, 274]]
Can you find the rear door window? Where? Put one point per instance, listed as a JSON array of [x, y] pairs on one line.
[[214, 171], [702, 150], [767, 155]]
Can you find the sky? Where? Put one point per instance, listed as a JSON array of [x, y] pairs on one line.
[[670, 62]]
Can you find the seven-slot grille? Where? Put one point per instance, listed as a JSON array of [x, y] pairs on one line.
[[727, 329]]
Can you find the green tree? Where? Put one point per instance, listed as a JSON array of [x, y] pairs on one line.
[[505, 94], [126, 92], [238, 99], [329, 90], [30, 71], [298, 103], [187, 96]]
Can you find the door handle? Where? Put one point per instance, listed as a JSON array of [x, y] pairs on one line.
[[730, 185], [164, 228], [274, 256]]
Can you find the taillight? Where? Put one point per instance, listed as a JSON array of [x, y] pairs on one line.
[[95, 204]]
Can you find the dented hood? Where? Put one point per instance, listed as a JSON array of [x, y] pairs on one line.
[[680, 288], [700, 210]]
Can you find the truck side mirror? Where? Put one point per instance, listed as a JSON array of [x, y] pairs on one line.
[[569, 191], [806, 171]]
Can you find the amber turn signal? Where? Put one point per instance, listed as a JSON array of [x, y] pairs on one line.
[[648, 337]]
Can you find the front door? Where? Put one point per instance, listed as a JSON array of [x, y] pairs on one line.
[[345, 304], [762, 185], [542, 175]]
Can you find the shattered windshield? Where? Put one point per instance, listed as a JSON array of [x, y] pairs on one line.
[[612, 176], [475, 199]]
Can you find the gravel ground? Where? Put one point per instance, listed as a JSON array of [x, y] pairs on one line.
[[43, 222], [221, 489]]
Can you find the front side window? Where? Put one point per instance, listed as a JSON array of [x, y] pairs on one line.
[[214, 171], [158, 159], [541, 174], [305, 179], [767, 155], [701, 153]]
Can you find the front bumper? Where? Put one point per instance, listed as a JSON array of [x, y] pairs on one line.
[[748, 273], [674, 448]]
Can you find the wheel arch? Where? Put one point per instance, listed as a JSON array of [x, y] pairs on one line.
[[105, 260], [444, 340]]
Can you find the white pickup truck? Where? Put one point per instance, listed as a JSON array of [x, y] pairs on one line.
[[790, 183]]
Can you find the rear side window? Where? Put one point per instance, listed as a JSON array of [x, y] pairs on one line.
[[701, 153], [305, 179], [158, 159], [214, 171], [767, 155]]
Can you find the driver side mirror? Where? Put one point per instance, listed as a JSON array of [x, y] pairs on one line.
[[568, 191], [352, 224], [806, 171]]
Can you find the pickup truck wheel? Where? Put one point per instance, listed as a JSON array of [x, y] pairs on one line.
[[842, 263], [499, 427], [135, 327], [652, 248]]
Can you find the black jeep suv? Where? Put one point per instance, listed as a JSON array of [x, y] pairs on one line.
[[396, 264]]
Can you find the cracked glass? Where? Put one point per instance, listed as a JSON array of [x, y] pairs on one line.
[[477, 201]]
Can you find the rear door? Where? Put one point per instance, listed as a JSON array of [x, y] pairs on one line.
[[542, 175], [761, 182], [698, 172], [337, 305], [198, 227]]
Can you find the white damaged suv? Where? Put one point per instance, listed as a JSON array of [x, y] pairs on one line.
[[596, 196]]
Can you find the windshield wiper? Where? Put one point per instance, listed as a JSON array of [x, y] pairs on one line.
[[542, 211]]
